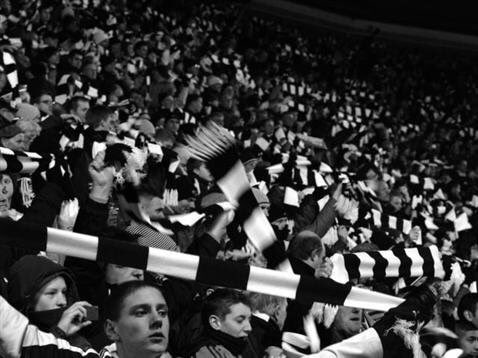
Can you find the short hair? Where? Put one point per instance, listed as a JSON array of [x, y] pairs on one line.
[[468, 302], [193, 164], [464, 326], [97, 114], [220, 301], [304, 243], [73, 104], [262, 303], [114, 303]]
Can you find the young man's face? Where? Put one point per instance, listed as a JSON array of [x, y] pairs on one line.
[[143, 325], [237, 322], [45, 104], [469, 343], [81, 109]]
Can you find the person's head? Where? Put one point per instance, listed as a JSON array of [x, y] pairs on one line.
[[37, 284], [227, 311], [467, 338], [117, 274], [79, 106], [90, 70], [75, 59], [195, 103], [468, 308], [102, 118], [30, 131], [136, 319], [171, 124], [348, 321], [150, 191], [274, 306], [308, 247], [44, 102], [12, 137], [199, 168], [383, 191], [6, 193], [396, 201]]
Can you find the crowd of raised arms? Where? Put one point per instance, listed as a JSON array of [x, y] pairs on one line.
[[192, 179]]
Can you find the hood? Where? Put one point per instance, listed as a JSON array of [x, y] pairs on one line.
[[29, 274]]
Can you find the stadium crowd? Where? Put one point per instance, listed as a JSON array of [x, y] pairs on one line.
[[137, 123]]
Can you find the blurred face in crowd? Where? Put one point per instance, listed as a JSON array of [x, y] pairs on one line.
[[172, 125], [196, 105], [6, 192], [236, 323], [383, 191], [17, 142], [51, 296], [203, 172], [396, 202], [110, 123], [142, 329], [269, 127], [91, 71], [81, 109], [117, 274], [348, 321], [281, 313], [152, 206], [76, 61], [45, 104], [468, 341]]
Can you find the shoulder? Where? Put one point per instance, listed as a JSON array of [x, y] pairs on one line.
[[213, 351]]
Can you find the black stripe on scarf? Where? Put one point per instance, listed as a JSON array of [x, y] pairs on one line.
[[405, 262], [311, 290], [222, 273], [122, 253], [352, 264], [380, 264]]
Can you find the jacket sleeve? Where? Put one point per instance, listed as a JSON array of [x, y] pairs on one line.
[[310, 218], [46, 206], [92, 218], [365, 344], [18, 338]]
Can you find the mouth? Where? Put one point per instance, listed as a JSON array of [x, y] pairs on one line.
[[156, 337]]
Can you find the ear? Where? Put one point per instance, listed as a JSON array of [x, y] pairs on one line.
[[215, 322], [111, 330], [468, 316]]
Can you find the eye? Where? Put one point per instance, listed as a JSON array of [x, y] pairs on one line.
[[163, 313], [139, 312]]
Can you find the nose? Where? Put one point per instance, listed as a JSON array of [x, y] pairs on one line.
[[61, 300], [156, 320], [247, 327]]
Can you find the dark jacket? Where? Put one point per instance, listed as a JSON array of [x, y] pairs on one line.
[[264, 334], [310, 217], [26, 278], [295, 310], [216, 344]]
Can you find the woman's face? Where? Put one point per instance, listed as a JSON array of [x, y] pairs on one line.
[[51, 296], [6, 192], [16, 142]]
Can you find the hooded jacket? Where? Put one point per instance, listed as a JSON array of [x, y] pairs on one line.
[[26, 278]]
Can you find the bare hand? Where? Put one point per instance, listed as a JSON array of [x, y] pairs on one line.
[[74, 318]]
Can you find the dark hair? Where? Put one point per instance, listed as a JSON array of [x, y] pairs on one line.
[[193, 163], [469, 302], [97, 114], [304, 243], [464, 326], [220, 301], [114, 303], [73, 104], [154, 182]]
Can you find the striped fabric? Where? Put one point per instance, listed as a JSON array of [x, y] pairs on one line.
[[385, 221], [24, 162], [215, 146], [405, 263], [206, 271], [152, 238], [8, 65]]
